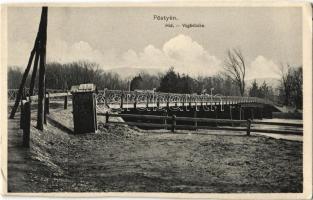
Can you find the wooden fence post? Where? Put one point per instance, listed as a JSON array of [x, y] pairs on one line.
[[173, 123], [26, 126], [22, 117], [47, 103], [248, 127], [65, 102], [107, 117]]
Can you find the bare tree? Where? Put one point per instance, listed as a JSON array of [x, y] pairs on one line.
[[291, 85], [235, 68], [286, 83]]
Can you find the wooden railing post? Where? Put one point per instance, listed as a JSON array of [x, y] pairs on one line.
[[168, 101], [165, 119], [122, 101], [158, 101], [248, 127], [65, 102], [135, 103], [173, 123], [147, 102], [107, 117], [105, 96], [26, 124]]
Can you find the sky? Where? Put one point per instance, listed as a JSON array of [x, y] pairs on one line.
[[119, 37]]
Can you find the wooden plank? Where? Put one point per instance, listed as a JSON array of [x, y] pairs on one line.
[[191, 127], [52, 95], [278, 123], [210, 128], [285, 132], [152, 125], [62, 94], [219, 121], [137, 116]]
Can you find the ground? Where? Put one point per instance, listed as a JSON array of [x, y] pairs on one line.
[[119, 158]]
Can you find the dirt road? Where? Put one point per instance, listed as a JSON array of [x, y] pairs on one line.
[[119, 159]]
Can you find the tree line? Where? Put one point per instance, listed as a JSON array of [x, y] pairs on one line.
[[291, 87], [230, 82], [63, 76]]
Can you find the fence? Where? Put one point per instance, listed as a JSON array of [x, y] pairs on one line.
[[25, 118], [173, 119]]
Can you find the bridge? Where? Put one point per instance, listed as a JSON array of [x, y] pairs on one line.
[[123, 101], [116, 99], [156, 109], [148, 99]]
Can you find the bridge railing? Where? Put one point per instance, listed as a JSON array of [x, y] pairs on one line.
[[169, 122], [119, 97], [12, 93]]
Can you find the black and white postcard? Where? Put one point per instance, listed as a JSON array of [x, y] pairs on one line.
[[202, 99]]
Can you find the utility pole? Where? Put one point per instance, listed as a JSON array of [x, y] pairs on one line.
[[42, 69], [39, 52]]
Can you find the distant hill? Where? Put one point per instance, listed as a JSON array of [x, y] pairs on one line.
[[127, 72]]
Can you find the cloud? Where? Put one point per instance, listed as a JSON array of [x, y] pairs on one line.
[[182, 52], [262, 67], [190, 57], [60, 51]]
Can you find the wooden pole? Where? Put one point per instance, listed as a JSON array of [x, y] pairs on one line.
[[33, 78], [173, 123], [168, 101], [65, 102], [22, 117], [135, 103], [122, 96], [195, 116], [107, 117], [165, 120], [31, 57], [42, 69], [158, 102], [248, 127], [47, 103], [20, 90], [26, 126]]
